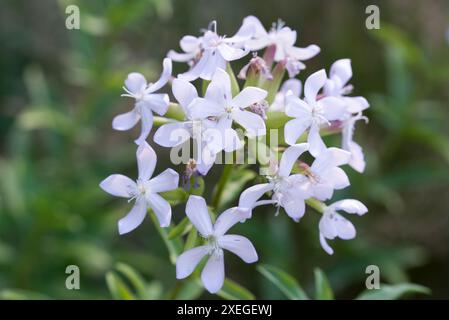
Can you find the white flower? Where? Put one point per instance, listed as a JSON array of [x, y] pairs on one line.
[[144, 191], [147, 101], [337, 86], [177, 132], [357, 159], [290, 86], [219, 105], [283, 38], [213, 275], [289, 191], [311, 113], [333, 225], [324, 175], [208, 53]]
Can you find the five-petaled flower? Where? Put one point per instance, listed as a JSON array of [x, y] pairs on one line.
[[311, 113], [144, 191], [208, 53], [213, 273], [283, 40], [289, 190], [219, 105], [337, 86], [333, 225], [146, 103]]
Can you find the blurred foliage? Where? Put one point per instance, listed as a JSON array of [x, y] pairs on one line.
[[59, 90]]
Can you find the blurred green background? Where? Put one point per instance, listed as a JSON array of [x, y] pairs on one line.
[[59, 90]]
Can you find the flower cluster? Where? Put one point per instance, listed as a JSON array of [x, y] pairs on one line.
[[213, 118]]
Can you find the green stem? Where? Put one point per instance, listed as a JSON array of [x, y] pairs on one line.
[[225, 174], [316, 204]]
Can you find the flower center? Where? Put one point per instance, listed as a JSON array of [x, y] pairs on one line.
[[214, 246]]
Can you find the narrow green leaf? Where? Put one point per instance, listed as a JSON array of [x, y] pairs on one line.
[[233, 291], [180, 229], [323, 290], [118, 289], [174, 246], [392, 292], [235, 89], [283, 281], [134, 278], [191, 239]]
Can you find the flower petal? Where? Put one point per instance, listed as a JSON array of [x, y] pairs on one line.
[[294, 129], [290, 156], [297, 108], [134, 218], [355, 104], [325, 245], [327, 226], [345, 228], [125, 121], [229, 218], [333, 108], [313, 84], [341, 69], [184, 92], [201, 108], [251, 122], [189, 43], [219, 89], [165, 181], [350, 206], [196, 210], [166, 74], [146, 161], [240, 246], [158, 102], [248, 96], [146, 122], [212, 275], [295, 208], [188, 260], [331, 157], [230, 54], [304, 53], [135, 82], [315, 141], [118, 185], [160, 207], [249, 197], [171, 134], [338, 178]]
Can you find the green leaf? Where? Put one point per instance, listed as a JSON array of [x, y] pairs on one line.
[[283, 281], [323, 290], [392, 292], [180, 229], [233, 291], [19, 294], [176, 196], [235, 89], [189, 289], [191, 239], [118, 289], [237, 180], [174, 246], [134, 278]]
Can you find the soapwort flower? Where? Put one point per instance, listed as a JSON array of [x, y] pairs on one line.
[[216, 240], [219, 106], [145, 191], [146, 101], [288, 190], [337, 86], [289, 87], [177, 132], [311, 113], [209, 52], [333, 225], [283, 39]]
